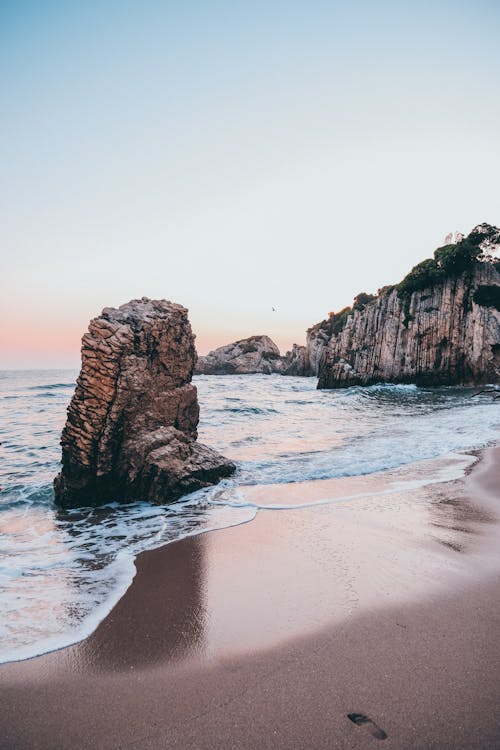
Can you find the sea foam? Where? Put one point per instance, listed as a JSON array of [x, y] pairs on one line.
[[61, 572]]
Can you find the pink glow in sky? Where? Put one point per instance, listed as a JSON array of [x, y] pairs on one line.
[[234, 158]]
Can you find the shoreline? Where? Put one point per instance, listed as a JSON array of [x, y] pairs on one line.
[[320, 492], [198, 627]]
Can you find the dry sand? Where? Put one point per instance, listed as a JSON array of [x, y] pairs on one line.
[[270, 634]]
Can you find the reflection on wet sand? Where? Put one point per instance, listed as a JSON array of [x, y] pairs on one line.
[[298, 570], [162, 619]]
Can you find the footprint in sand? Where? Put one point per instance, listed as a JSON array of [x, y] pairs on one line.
[[364, 721]]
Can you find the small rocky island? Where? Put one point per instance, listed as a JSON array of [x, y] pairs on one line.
[[251, 356], [256, 354], [132, 422]]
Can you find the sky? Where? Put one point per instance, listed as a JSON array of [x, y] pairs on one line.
[[233, 157]]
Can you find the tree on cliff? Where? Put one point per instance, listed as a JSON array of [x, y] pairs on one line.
[[362, 299], [452, 260]]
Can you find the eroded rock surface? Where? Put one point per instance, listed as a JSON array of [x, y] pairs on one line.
[[296, 362], [132, 422], [256, 354]]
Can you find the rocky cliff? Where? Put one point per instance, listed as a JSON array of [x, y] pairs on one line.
[[296, 361], [440, 326], [132, 422]]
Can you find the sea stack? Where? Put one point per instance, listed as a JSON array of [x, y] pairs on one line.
[[132, 422], [256, 354]]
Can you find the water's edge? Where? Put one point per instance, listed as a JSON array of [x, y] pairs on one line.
[[62, 571], [445, 470]]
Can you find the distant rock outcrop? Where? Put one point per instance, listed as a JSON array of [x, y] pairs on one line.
[[132, 422], [439, 326], [296, 362], [256, 354]]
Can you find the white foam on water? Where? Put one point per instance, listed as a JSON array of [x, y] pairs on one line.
[[49, 606], [446, 469], [61, 572]]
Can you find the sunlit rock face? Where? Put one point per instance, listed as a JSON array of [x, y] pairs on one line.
[[132, 422], [256, 354], [446, 334]]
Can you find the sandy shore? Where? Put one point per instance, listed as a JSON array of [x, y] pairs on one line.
[[268, 635]]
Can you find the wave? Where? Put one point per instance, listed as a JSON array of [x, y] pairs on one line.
[[98, 561], [50, 386], [248, 410], [454, 468], [74, 565]]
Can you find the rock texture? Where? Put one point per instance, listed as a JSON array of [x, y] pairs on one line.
[[317, 338], [296, 361], [132, 422], [438, 336], [257, 354]]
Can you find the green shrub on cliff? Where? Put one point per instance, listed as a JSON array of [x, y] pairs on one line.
[[450, 260], [424, 274], [386, 290], [337, 320], [362, 299], [487, 296], [455, 259]]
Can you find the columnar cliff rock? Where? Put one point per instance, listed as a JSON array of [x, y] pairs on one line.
[[132, 423], [447, 333], [317, 337], [256, 354], [296, 361]]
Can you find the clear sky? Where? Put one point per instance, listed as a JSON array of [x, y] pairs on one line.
[[234, 157]]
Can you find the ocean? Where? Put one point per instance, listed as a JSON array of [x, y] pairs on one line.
[[61, 572]]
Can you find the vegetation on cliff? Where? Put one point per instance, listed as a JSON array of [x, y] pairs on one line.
[[487, 296], [451, 260], [425, 329], [337, 320]]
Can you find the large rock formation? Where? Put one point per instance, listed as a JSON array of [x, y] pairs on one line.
[[440, 326], [132, 422], [256, 354]]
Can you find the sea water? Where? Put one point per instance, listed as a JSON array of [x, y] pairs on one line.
[[61, 572]]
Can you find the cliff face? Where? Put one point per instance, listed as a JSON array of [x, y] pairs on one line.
[[437, 336], [317, 338], [295, 361], [131, 427]]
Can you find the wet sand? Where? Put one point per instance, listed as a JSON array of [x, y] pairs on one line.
[[268, 635]]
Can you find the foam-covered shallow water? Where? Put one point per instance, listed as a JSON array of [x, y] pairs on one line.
[[62, 571]]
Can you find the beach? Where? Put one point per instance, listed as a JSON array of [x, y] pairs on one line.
[[269, 634], [250, 376]]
